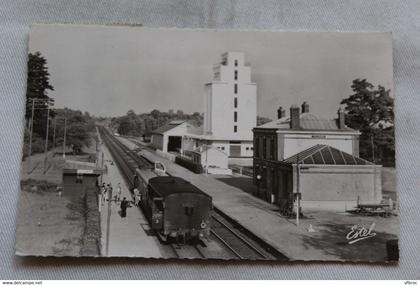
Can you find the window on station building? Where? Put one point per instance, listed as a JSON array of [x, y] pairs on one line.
[[236, 75], [235, 102], [235, 129], [236, 88], [236, 62], [235, 116]]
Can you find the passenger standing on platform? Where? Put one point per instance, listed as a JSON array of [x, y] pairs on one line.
[[119, 192], [136, 196], [124, 205], [109, 191], [103, 193]]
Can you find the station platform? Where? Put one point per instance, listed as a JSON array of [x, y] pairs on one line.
[[128, 236], [257, 216]]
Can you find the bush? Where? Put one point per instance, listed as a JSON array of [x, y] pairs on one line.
[[189, 164]]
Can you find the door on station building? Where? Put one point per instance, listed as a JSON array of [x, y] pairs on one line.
[[174, 143]]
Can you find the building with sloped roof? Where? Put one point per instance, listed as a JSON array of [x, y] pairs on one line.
[[331, 174], [168, 138]]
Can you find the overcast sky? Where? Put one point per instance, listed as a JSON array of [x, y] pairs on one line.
[[110, 70]]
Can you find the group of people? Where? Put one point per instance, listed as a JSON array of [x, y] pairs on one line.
[[106, 192]]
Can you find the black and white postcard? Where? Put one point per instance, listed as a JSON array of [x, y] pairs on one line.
[[208, 144]]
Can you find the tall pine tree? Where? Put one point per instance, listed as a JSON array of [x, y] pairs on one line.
[[37, 87]]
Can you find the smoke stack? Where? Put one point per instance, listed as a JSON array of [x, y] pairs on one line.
[[305, 107], [281, 113], [294, 117], [341, 119]]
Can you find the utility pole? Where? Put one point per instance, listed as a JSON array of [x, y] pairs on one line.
[[46, 138], [64, 140], [297, 190], [30, 135], [55, 123]]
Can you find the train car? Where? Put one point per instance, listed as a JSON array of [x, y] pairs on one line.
[[176, 209]]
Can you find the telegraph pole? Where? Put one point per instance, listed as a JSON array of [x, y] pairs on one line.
[[55, 123], [64, 140], [30, 136], [297, 190], [46, 138]]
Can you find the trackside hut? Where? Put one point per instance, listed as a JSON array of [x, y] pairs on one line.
[[211, 157], [78, 177]]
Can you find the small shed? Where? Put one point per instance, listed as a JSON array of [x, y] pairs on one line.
[[212, 157], [78, 176]]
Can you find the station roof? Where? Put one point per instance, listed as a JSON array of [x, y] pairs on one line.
[[168, 185], [308, 121], [81, 167], [169, 126], [325, 154]]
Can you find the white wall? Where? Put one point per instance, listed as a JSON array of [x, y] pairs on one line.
[[294, 143], [339, 186], [214, 158]]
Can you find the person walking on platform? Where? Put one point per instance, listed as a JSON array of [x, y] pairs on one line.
[[119, 190], [124, 205], [137, 196]]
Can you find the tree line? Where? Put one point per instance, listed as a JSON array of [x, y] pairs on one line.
[[133, 124]]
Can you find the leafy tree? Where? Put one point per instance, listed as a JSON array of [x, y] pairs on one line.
[[78, 129], [77, 137], [371, 111]]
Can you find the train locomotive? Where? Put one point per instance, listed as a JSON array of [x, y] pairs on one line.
[[176, 209]]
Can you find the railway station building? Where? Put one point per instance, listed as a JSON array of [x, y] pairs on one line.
[[331, 174]]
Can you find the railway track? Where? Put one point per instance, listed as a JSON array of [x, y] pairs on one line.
[[237, 243]]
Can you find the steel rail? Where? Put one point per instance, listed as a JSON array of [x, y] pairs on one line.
[[242, 239], [226, 244]]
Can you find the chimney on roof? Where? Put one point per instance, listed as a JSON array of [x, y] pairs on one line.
[[281, 113], [341, 119], [305, 107], [294, 117]]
